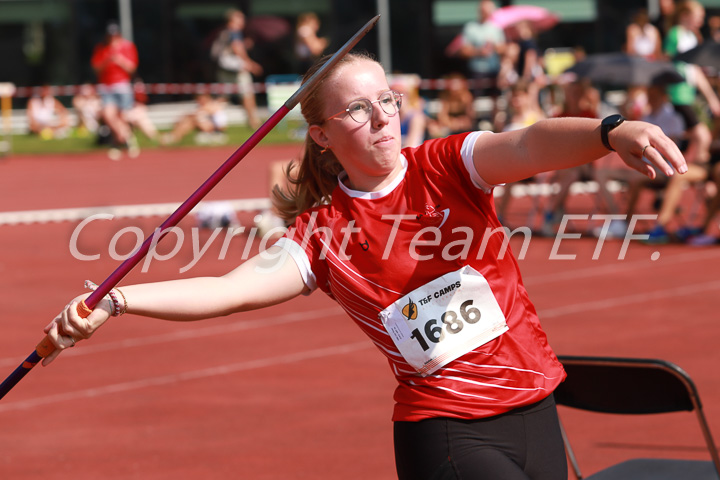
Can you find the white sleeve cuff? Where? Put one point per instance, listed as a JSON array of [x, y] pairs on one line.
[[467, 157], [301, 260]]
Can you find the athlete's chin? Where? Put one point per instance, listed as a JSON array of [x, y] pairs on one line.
[[387, 148]]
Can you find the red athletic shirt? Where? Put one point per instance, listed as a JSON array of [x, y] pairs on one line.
[[111, 72], [382, 262]]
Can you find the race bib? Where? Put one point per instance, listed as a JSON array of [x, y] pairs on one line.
[[444, 319]]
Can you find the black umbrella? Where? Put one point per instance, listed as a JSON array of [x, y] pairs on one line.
[[707, 54], [622, 70]]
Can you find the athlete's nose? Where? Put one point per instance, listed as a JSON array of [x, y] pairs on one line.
[[379, 117]]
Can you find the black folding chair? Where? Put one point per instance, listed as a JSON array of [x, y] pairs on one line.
[[635, 387]]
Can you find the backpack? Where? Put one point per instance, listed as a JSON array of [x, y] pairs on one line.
[[221, 52]]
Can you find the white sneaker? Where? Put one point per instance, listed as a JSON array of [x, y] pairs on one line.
[[114, 154], [133, 147], [267, 222], [616, 229]]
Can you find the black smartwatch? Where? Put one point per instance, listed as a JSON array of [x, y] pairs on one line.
[[609, 123]]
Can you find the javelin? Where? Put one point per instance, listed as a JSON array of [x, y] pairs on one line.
[[45, 347]]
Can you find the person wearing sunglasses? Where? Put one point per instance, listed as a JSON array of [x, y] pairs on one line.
[[407, 242]]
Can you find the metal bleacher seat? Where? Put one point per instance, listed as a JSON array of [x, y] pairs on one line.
[[636, 387]]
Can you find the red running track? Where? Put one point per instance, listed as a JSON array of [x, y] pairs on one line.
[[294, 391]]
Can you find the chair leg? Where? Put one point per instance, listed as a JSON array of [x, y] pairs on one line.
[[570, 453], [708, 437]]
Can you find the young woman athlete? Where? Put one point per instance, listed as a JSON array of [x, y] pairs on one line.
[[408, 243]]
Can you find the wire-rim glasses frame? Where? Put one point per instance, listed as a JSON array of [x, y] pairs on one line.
[[361, 110]]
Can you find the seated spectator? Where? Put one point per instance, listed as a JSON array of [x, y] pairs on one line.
[[87, 105], [580, 99], [705, 236], [714, 28], [682, 37], [137, 116], [210, 118], [47, 117], [643, 38], [700, 172], [635, 106], [664, 115], [523, 111], [702, 236], [457, 112], [523, 108], [413, 121], [684, 97]]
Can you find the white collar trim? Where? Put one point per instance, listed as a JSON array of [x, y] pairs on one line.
[[374, 195]]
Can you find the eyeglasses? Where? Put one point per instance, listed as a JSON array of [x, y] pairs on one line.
[[361, 110]]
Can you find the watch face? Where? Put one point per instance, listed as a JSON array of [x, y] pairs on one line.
[[607, 124], [613, 120]]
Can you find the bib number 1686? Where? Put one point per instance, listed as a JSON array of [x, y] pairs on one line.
[[449, 323]]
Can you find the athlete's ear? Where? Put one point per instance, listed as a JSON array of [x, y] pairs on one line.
[[317, 133]]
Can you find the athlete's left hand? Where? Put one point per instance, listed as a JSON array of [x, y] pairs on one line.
[[643, 146]]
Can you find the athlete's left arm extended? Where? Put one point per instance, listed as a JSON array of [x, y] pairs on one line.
[[558, 143]]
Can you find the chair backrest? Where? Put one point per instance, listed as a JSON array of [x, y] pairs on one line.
[[630, 386], [625, 386]]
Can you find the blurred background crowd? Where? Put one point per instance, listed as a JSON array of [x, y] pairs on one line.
[[461, 65]]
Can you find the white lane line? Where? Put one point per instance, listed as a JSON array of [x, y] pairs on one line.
[[642, 297], [621, 266], [186, 376], [241, 325], [322, 352], [88, 348]]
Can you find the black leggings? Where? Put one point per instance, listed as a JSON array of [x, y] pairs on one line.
[[522, 444]]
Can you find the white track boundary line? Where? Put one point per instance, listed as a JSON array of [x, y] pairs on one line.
[[187, 376], [89, 348], [250, 204], [121, 211]]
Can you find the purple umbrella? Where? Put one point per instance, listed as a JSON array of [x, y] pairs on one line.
[[540, 18], [268, 28]]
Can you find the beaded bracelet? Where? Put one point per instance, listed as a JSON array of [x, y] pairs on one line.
[[112, 298], [125, 302], [116, 304]]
